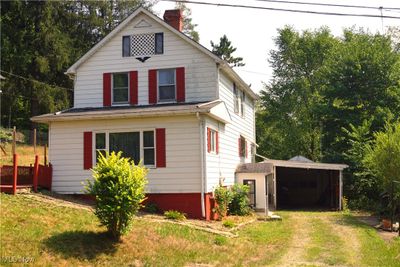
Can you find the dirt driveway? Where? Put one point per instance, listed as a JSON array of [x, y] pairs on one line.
[[330, 239]]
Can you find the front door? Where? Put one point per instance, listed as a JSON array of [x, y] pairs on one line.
[[252, 191]]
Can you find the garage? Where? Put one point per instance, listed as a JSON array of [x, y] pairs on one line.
[[298, 183], [301, 188]]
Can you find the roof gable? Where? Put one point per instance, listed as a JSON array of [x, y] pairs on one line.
[[142, 23]]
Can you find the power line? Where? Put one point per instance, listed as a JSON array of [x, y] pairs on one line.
[[284, 9], [324, 4], [36, 81]]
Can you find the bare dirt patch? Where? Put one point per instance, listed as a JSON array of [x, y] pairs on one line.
[[301, 239]]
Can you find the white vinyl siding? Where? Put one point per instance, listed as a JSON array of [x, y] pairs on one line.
[[223, 165], [183, 171], [200, 69]]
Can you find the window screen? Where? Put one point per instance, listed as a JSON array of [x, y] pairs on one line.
[[120, 88], [128, 143], [126, 46], [166, 85]]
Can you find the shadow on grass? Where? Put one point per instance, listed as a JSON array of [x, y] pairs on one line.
[[81, 244]]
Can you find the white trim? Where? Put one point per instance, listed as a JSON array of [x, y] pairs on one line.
[[112, 90], [141, 143], [158, 88]]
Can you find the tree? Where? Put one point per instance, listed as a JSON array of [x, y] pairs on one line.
[[383, 160], [188, 25], [119, 188], [225, 50], [39, 41], [361, 81], [289, 118]]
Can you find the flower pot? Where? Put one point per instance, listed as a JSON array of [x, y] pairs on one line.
[[386, 224]]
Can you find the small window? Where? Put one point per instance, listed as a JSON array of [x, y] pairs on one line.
[[243, 144], [120, 88], [159, 45], [126, 46], [213, 141], [238, 100], [242, 99], [253, 153], [166, 85], [235, 98], [100, 145], [148, 148]]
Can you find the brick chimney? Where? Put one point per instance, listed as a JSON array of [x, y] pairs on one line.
[[174, 18]]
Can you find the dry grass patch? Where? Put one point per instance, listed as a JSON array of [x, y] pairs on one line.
[[26, 154], [69, 236]]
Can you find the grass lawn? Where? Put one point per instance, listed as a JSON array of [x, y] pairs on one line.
[[49, 235], [26, 155], [65, 236]]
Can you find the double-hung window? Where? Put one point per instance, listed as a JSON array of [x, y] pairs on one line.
[[148, 148], [236, 98], [120, 88], [100, 145], [239, 97], [242, 147], [166, 85], [135, 145]]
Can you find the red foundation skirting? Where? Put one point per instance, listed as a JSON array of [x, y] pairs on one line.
[[188, 203]]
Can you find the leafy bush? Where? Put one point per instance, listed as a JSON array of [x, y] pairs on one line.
[[119, 187], [239, 204], [151, 208], [345, 205], [220, 240], [223, 197], [174, 215], [229, 224], [5, 135]]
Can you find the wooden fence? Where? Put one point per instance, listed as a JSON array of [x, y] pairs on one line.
[[25, 177]]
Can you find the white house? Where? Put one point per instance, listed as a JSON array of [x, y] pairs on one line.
[[150, 91]]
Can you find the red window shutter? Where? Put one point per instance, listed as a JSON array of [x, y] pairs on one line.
[[245, 143], [180, 84], [152, 86], [133, 87], [216, 142], [240, 148], [87, 150], [107, 89], [160, 148], [208, 140]]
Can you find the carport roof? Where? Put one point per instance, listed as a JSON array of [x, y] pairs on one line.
[[306, 165], [261, 167]]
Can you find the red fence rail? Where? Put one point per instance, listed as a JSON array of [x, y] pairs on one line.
[[25, 176]]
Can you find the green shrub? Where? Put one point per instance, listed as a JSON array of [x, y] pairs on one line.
[[220, 240], [229, 224], [174, 215], [119, 187], [345, 205], [6, 135], [239, 204], [223, 197], [151, 208]]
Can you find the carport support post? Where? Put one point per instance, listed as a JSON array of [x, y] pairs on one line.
[[274, 183], [340, 189], [266, 196]]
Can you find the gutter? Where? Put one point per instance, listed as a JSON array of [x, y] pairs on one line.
[[202, 164]]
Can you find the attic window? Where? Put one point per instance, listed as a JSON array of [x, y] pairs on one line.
[[140, 45]]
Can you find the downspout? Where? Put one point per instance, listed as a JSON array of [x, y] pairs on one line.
[[202, 164]]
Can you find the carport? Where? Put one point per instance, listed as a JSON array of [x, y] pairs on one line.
[[298, 183], [303, 184]]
